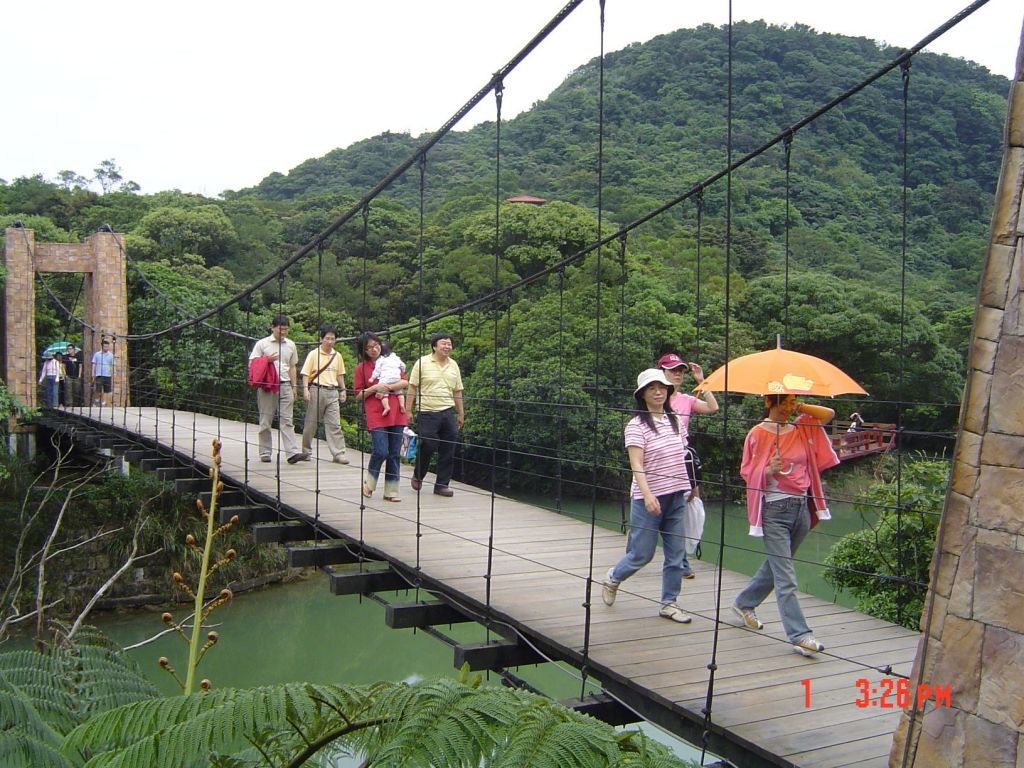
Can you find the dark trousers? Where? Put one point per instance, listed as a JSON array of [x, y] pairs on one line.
[[437, 434]]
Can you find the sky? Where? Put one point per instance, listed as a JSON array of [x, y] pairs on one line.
[[210, 95]]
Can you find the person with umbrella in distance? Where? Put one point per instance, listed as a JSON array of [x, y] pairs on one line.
[[654, 443], [782, 465]]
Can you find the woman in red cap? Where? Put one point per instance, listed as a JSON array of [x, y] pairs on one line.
[[684, 405]]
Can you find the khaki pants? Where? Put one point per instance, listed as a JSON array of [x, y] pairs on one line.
[[269, 403], [324, 406]]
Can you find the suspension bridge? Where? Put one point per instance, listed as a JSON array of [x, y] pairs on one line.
[[526, 573], [530, 574]]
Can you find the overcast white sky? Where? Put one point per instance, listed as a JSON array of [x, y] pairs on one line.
[[208, 95]]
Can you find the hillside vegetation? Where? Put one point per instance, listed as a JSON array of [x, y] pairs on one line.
[[664, 131]]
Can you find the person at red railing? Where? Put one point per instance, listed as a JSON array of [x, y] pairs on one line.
[[782, 465]]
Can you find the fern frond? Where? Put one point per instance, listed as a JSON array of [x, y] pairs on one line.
[[21, 749], [173, 731]]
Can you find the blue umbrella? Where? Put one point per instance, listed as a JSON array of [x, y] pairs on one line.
[[57, 346]]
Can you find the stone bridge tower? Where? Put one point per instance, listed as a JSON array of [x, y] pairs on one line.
[[102, 259], [973, 624]]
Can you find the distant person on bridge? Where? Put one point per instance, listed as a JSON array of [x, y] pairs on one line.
[[654, 443], [73, 379], [435, 389], [280, 351], [323, 377], [50, 376], [102, 373], [782, 466], [385, 428]]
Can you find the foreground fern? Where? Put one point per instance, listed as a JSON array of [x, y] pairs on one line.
[[436, 723], [45, 695]]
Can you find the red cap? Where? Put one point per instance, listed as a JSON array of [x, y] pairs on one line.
[[670, 361]]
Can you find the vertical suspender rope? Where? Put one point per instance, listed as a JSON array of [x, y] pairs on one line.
[[596, 394], [175, 338], [280, 396], [900, 565], [506, 407], [192, 332], [361, 405], [788, 145], [499, 90], [314, 397], [247, 306], [696, 321], [559, 415], [712, 665], [623, 416], [422, 328]]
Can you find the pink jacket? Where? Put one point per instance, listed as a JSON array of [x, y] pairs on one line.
[[757, 452]]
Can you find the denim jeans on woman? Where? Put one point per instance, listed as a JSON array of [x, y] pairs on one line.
[[785, 524], [643, 539], [386, 449]]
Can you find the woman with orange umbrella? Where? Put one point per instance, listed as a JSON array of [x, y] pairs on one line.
[[782, 465]]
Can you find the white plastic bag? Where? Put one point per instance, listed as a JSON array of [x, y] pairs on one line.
[[694, 523]]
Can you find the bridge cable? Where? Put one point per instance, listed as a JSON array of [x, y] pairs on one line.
[[901, 596], [788, 146], [315, 440], [624, 475], [595, 424], [716, 633], [559, 418], [417, 157], [699, 199], [361, 427], [419, 390], [499, 91]]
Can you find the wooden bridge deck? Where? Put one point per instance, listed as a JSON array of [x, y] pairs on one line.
[[538, 586]]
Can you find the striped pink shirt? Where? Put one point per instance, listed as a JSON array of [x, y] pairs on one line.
[[663, 456]]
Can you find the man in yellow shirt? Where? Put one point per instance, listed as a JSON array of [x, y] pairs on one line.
[[323, 380], [435, 388]]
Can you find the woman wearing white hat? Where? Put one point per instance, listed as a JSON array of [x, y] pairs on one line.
[[658, 493]]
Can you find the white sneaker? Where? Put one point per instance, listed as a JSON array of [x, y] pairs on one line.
[[609, 589], [808, 647], [748, 617], [674, 613]]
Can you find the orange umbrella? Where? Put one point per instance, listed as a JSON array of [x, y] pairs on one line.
[[781, 372]]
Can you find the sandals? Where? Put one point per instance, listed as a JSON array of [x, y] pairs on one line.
[[366, 491], [391, 498]]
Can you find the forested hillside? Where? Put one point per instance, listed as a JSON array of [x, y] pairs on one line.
[[664, 131]]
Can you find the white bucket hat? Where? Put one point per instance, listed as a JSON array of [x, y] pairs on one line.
[[649, 376]]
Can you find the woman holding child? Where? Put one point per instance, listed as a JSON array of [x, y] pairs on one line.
[[384, 424]]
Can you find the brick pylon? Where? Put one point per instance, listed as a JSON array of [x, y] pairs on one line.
[[102, 260]]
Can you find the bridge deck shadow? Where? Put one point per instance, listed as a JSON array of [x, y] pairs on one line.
[[540, 564]]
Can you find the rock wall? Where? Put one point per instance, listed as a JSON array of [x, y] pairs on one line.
[[973, 625]]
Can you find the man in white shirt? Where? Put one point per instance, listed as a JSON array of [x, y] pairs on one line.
[[282, 353]]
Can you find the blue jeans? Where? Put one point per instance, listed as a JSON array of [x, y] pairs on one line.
[[643, 540], [785, 524], [50, 391], [386, 448]]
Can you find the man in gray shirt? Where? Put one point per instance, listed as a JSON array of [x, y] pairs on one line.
[[281, 352]]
